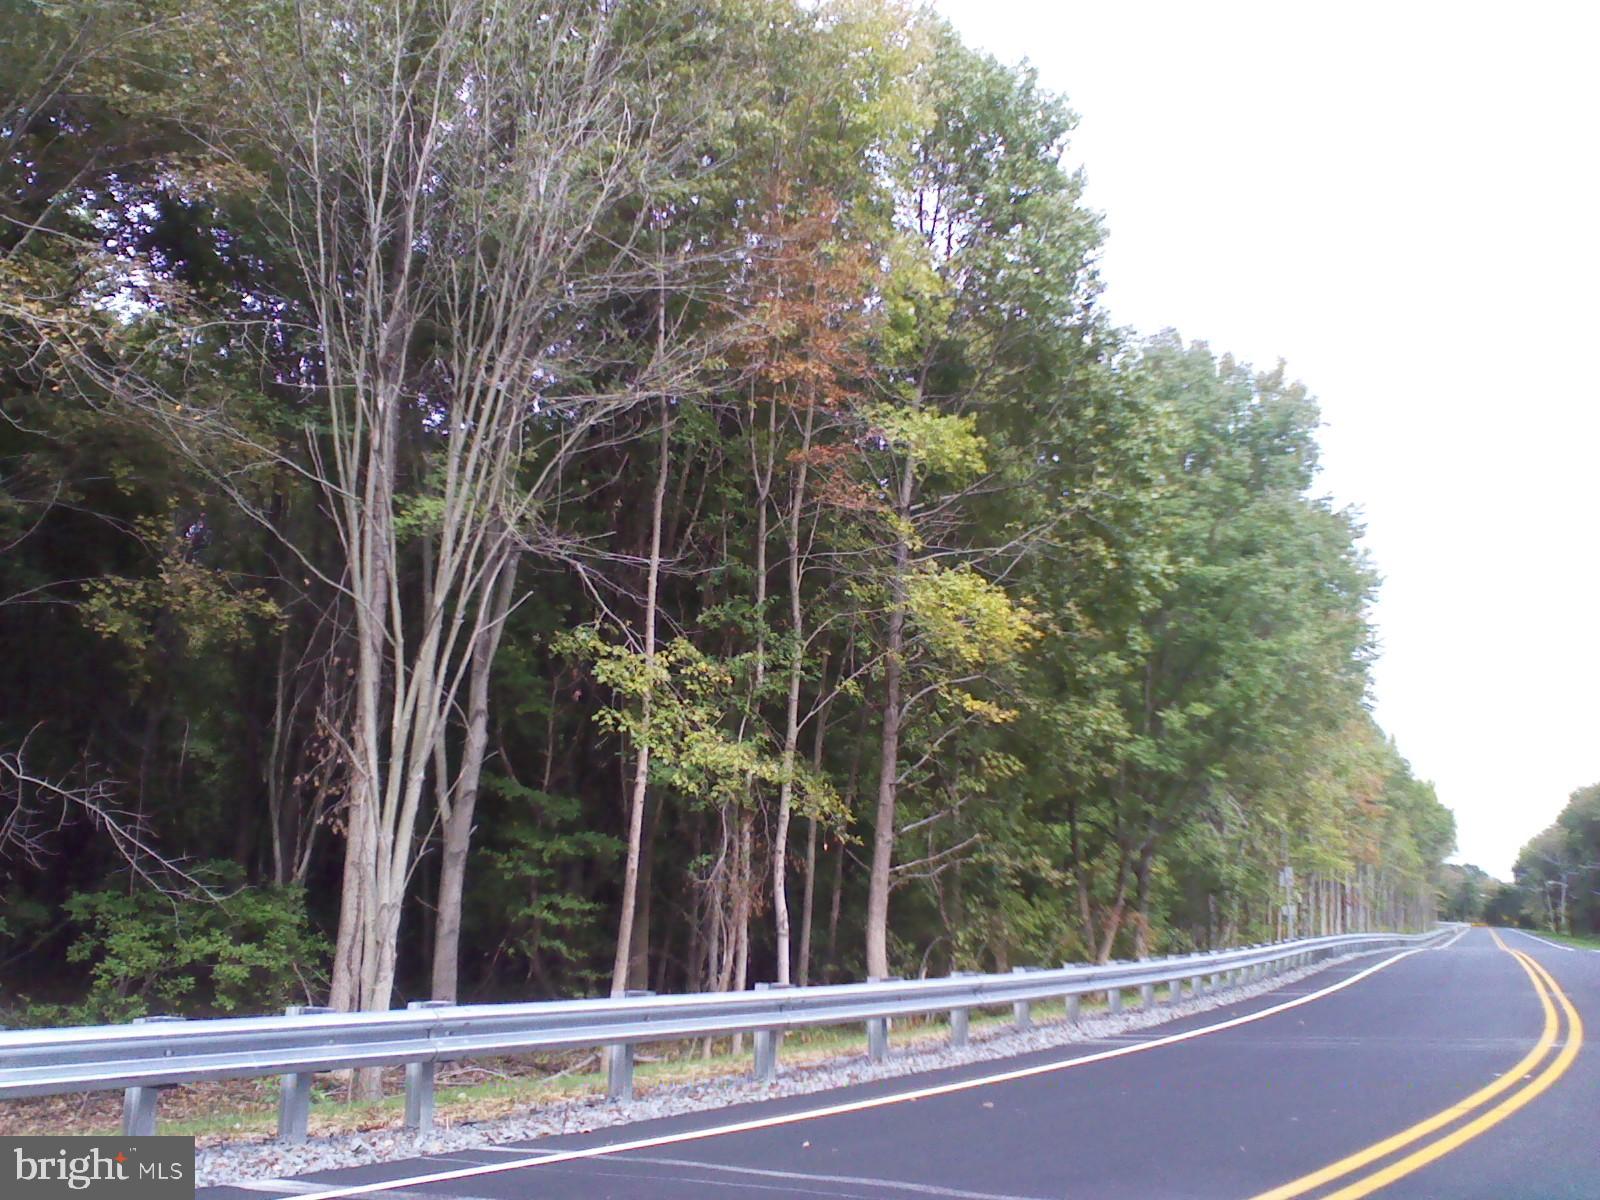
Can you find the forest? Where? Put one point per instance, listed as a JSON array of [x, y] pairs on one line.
[[506, 499]]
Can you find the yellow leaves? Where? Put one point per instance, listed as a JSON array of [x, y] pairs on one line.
[[967, 620], [985, 710], [941, 444]]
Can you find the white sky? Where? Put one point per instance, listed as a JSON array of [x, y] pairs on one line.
[[1402, 200]]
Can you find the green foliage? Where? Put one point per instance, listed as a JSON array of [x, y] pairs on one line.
[[1557, 874], [146, 952], [679, 705], [938, 444], [520, 907], [192, 600], [1135, 642], [966, 618]]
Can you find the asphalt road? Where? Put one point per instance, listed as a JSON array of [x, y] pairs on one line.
[[1456, 1072]]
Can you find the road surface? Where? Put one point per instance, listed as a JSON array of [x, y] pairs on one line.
[[1453, 1072]]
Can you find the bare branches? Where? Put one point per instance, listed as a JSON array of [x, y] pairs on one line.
[[33, 806]]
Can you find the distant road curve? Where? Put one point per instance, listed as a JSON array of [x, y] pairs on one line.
[[1453, 1072]]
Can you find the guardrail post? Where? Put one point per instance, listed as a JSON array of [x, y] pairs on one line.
[[878, 1039], [878, 1027], [1147, 995], [139, 1111], [959, 1017], [619, 1072], [619, 1062], [419, 1083], [1114, 1000], [1074, 1007], [1175, 991], [765, 1044], [294, 1091], [1021, 1010], [767, 1041], [958, 1028], [139, 1103]]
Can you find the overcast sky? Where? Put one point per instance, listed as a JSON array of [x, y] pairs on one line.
[[1403, 201]]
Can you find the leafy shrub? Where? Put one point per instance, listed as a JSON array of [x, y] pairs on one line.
[[253, 951], [521, 901]]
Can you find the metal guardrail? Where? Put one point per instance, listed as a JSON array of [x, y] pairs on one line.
[[160, 1052]]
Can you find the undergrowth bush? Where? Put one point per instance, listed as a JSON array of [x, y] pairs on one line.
[[252, 951]]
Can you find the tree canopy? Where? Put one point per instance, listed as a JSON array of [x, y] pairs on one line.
[[510, 499]]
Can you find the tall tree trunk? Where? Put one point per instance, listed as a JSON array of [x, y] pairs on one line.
[[639, 968], [889, 746], [356, 970], [808, 899], [1141, 911], [742, 903], [1080, 878], [462, 799], [791, 722], [835, 902], [852, 789], [1114, 913], [641, 761], [807, 906]]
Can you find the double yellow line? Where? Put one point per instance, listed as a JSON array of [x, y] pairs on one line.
[[1529, 1090]]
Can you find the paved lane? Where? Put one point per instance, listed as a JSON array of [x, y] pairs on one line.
[[1244, 1104], [1549, 1150]]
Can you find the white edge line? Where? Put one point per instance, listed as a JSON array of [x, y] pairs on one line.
[[281, 1187], [850, 1106], [1546, 941]]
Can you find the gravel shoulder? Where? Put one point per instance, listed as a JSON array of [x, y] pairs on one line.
[[256, 1161]]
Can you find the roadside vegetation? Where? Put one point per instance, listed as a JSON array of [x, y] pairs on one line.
[[507, 499], [1555, 884]]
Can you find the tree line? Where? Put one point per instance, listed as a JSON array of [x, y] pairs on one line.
[[521, 497], [1555, 882]]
